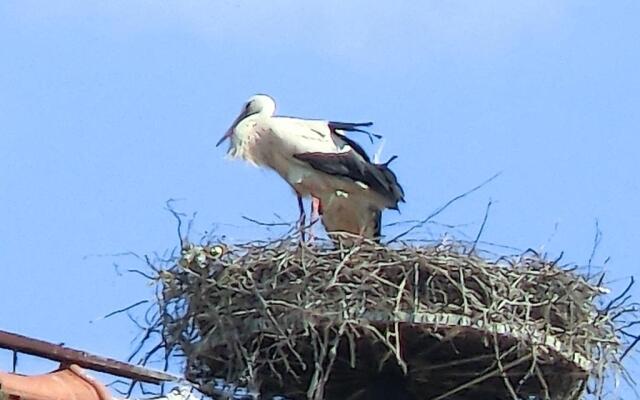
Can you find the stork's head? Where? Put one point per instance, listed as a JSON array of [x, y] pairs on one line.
[[258, 104]]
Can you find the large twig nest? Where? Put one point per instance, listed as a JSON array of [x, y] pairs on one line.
[[430, 322]]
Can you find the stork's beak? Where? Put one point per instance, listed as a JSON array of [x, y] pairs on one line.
[[229, 132], [226, 136]]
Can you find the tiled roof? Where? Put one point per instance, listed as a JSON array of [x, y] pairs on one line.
[[68, 356], [71, 383]]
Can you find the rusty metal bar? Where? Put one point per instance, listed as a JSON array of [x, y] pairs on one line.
[[83, 359]]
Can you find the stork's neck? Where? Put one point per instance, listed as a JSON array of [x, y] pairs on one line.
[[267, 110], [245, 137]]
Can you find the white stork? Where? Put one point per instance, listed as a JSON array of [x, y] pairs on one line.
[[317, 160]]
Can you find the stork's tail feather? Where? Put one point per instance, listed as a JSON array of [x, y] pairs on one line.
[[394, 190]]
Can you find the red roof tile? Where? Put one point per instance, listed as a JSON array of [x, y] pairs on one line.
[[70, 383]]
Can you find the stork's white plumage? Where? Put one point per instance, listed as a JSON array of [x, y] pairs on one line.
[[318, 160]]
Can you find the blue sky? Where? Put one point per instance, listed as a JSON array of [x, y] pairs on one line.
[[108, 109]]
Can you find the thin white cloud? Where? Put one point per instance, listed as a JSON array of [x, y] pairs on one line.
[[345, 29]]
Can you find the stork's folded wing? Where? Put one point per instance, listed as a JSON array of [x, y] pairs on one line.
[[352, 166]]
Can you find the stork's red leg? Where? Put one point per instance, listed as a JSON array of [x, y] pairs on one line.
[[315, 215], [316, 208]]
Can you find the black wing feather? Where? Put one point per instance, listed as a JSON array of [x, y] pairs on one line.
[[352, 127], [392, 180], [355, 146], [377, 176], [349, 126]]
